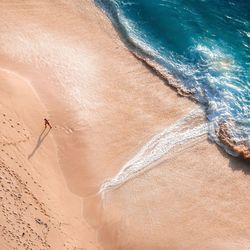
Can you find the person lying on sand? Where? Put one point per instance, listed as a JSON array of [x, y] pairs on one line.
[[46, 123]]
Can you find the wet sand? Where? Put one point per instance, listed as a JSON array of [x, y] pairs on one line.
[[104, 104]]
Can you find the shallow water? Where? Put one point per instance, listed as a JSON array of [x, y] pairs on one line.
[[203, 43], [189, 128]]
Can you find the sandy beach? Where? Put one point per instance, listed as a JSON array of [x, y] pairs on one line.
[[63, 60]]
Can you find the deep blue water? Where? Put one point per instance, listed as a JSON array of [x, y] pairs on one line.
[[204, 43]]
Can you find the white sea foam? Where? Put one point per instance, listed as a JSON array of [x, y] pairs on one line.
[[188, 128]]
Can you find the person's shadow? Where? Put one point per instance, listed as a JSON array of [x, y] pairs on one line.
[[40, 139]]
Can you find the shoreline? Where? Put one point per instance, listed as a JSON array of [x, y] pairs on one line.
[[104, 105], [225, 141]]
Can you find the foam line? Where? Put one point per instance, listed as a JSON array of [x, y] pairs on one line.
[[188, 128]]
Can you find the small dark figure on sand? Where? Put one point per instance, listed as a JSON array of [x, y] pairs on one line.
[[46, 123]]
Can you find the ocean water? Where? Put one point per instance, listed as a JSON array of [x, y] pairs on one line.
[[205, 44]]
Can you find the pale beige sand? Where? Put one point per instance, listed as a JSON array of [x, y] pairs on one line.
[[104, 105], [195, 199], [37, 210]]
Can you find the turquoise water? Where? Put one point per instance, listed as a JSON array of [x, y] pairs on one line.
[[203, 43]]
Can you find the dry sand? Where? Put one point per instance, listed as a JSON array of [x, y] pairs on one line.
[[63, 60], [33, 191]]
